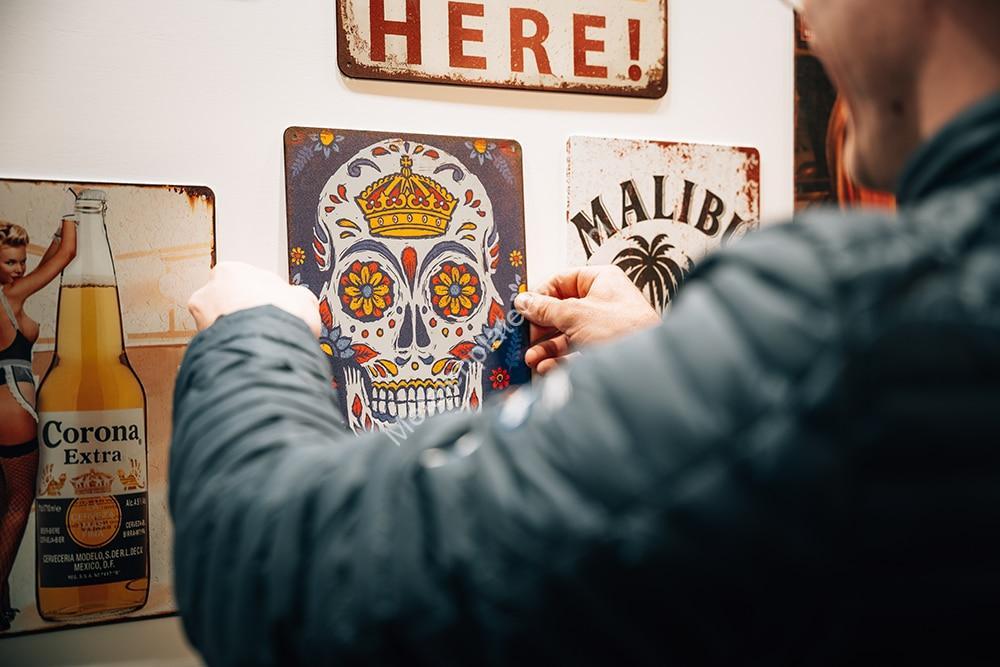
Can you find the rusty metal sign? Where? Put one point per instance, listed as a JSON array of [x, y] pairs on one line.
[[119, 283], [586, 46], [656, 208]]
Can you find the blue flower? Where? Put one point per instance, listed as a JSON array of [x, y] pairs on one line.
[[326, 142], [336, 345], [517, 286], [480, 150]]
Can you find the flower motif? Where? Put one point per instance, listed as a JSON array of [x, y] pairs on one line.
[[500, 378], [516, 258], [325, 141], [334, 344], [455, 290], [492, 338], [297, 256], [480, 150], [365, 291], [517, 286]]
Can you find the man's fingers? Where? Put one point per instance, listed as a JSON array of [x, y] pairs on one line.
[[538, 334], [548, 365], [544, 310], [572, 284], [549, 349]]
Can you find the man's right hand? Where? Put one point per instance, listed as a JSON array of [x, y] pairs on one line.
[[581, 307]]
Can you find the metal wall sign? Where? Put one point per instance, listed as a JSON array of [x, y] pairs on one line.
[[414, 245], [655, 208], [87, 520], [586, 46]]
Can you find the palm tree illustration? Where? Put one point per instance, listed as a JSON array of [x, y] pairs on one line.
[[651, 268]]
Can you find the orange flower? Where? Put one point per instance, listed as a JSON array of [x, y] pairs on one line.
[[456, 290], [298, 256], [366, 291]]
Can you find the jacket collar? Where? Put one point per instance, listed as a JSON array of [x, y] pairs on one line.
[[965, 151]]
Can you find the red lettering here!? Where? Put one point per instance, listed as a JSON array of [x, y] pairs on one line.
[[458, 34], [536, 42], [408, 28], [582, 46]]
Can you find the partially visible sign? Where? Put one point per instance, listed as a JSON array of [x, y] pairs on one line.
[[588, 46], [821, 122], [656, 208]]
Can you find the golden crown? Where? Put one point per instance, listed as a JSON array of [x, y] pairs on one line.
[[92, 482], [407, 205]]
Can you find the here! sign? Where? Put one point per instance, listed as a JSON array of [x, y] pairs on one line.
[[605, 47]]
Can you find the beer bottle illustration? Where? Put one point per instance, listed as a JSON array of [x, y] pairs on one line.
[[91, 506]]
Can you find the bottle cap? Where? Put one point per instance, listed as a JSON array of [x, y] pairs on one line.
[[93, 195], [91, 201]]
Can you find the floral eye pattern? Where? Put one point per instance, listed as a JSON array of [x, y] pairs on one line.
[[366, 291], [455, 290]]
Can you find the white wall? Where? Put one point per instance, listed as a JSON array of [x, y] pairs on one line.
[[198, 92]]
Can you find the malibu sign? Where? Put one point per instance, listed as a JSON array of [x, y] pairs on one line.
[[656, 208]]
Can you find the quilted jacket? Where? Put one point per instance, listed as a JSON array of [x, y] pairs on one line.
[[800, 466]]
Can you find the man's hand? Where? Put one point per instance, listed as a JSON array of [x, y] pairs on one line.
[[236, 286], [581, 307]]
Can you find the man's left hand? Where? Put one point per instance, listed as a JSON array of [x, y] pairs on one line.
[[236, 286]]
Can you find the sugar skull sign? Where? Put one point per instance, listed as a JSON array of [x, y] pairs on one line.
[[414, 246]]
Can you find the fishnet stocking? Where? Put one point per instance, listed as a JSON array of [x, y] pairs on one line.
[[17, 493]]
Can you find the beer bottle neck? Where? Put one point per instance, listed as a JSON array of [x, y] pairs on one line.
[[89, 327], [92, 265]]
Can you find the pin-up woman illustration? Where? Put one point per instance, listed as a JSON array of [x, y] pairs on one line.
[[18, 420]]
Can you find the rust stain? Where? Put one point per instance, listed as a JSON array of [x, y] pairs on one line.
[[751, 190], [654, 90], [194, 193], [753, 164]]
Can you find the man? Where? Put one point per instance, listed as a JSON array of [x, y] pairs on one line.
[[801, 465]]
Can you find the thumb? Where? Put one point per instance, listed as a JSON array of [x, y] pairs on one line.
[[542, 310]]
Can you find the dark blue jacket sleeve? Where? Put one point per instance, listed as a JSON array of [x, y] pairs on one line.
[[634, 506]]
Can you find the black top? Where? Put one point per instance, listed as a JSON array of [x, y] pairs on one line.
[[19, 348]]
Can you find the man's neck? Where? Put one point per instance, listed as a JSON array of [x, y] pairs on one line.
[[964, 65]]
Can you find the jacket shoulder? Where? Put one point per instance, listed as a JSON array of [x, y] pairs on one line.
[[807, 257]]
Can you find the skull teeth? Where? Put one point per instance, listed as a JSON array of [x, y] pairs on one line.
[[409, 403]]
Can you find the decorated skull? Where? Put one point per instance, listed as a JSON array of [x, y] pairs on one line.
[[407, 236]]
